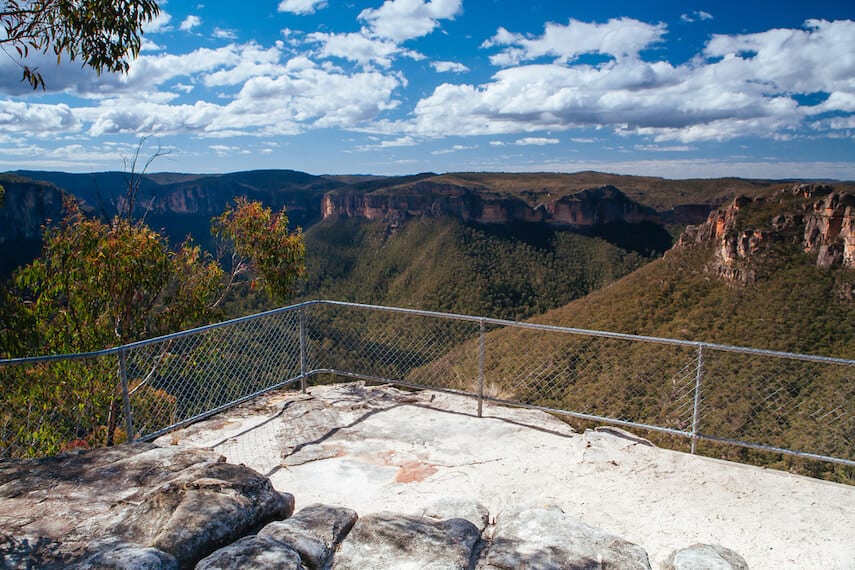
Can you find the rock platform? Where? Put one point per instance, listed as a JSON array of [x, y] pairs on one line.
[[346, 472], [143, 506]]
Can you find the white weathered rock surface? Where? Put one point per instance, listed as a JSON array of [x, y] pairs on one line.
[[422, 454], [705, 557], [383, 449], [183, 502], [389, 541], [549, 539]]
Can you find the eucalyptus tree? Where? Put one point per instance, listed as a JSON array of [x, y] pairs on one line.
[[102, 34]]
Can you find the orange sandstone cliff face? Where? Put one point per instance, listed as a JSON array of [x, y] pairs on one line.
[[830, 230], [824, 223], [595, 206]]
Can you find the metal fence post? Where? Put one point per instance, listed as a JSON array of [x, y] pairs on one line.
[[696, 411], [126, 396], [303, 349], [482, 349]]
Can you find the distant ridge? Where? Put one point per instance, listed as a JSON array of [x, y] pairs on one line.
[[485, 227]]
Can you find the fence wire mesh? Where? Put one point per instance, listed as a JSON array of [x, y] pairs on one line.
[[625, 380], [185, 377], [785, 403], [779, 402], [54, 406], [400, 347]]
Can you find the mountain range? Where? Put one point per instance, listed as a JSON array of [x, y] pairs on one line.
[[500, 244]]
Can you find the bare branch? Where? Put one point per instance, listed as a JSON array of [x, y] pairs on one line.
[[134, 178]]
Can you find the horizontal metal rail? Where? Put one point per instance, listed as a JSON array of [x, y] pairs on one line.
[[596, 333], [150, 341], [435, 314]]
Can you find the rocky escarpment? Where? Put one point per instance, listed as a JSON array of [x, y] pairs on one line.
[[818, 218], [830, 230], [25, 208], [591, 207], [731, 244], [141, 506]]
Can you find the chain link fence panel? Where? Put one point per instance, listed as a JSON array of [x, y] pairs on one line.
[[183, 378], [787, 403], [682, 392], [47, 407]]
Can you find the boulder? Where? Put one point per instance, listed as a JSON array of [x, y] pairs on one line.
[[549, 539], [458, 508], [314, 532], [184, 502], [121, 556], [253, 552], [705, 557], [390, 541]]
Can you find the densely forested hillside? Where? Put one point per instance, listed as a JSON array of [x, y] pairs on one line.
[[509, 271], [789, 303]]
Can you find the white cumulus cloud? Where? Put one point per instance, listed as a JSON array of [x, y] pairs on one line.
[[697, 15], [455, 148], [401, 20], [224, 34], [741, 85], [301, 6], [356, 47], [20, 117], [159, 24], [449, 66], [618, 38], [189, 23], [538, 141]]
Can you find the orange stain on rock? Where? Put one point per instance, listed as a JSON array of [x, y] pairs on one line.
[[414, 471]]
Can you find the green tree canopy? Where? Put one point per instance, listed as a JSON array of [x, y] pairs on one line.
[[100, 284], [103, 34], [262, 245], [106, 283]]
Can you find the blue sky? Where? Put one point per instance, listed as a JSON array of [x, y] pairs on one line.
[[673, 89]]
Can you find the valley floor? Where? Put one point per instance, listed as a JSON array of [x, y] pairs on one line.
[[380, 449]]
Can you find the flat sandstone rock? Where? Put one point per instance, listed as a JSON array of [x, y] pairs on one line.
[[139, 502], [547, 538]]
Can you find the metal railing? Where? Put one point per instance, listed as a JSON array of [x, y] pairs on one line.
[[792, 404]]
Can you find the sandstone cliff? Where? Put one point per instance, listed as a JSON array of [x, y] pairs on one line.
[[26, 207], [591, 207], [830, 230], [818, 217]]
